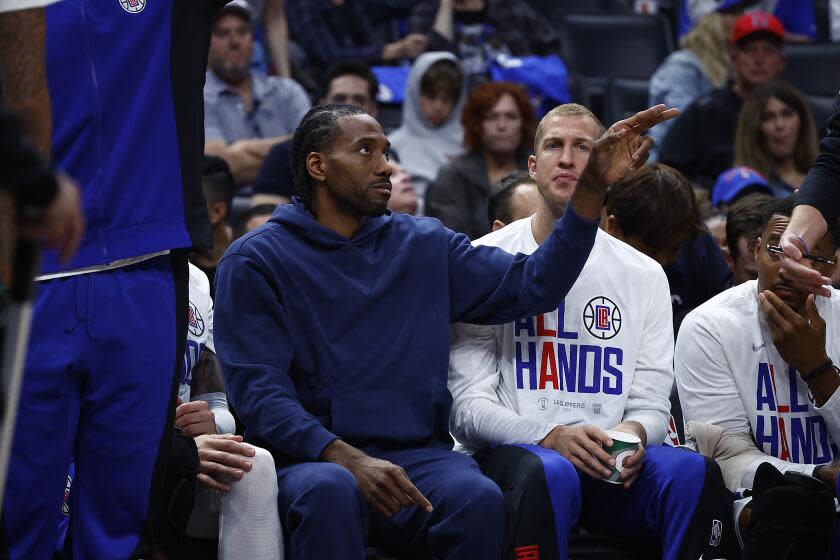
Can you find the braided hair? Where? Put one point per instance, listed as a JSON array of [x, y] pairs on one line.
[[316, 132]]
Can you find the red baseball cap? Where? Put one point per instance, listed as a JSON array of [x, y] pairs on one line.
[[757, 22]]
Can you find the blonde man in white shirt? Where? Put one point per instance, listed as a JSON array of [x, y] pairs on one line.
[[533, 398]]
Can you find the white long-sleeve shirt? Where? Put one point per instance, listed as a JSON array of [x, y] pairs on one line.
[[605, 356], [729, 373]]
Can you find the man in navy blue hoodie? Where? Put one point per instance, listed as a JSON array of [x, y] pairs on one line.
[[333, 333]]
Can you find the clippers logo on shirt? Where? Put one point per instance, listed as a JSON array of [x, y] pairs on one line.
[[602, 318], [199, 328], [133, 6], [554, 361], [195, 321], [787, 427]]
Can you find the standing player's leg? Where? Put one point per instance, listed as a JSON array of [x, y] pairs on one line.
[[542, 491], [468, 519], [138, 324], [48, 414], [679, 499]]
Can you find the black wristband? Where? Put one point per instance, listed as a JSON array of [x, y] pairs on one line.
[[819, 370]]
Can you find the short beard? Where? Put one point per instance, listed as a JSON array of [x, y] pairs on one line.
[[233, 75], [360, 204]]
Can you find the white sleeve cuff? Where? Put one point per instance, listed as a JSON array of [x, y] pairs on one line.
[[225, 423], [656, 427], [15, 5]]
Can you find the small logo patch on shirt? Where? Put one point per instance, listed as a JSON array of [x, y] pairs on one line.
[[530, 552], [133, 6]]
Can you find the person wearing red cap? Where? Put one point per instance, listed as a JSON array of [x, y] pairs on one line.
[[701, 142]]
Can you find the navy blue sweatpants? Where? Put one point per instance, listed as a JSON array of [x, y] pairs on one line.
[[99, 385], [679, 500], [324, 514]]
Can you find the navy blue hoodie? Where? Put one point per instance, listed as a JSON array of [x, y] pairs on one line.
[[323, 337]]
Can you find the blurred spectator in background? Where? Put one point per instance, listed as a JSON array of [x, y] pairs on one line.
[[252, 218], [716, 224], [351, 82], [797, 16], [334, 30], [514, 197], [701, 142], [245, 111], [735, 183], [403, 196], [776, 136], [271, 36], [477, 30], [219, 189], [431, 135], [276, 28], [499, 125], [743, 226], [700, 65], [655, 211]]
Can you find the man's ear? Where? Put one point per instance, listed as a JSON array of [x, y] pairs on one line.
[[316, 166], [497, 225], [730, 262], [217, 212], [611, 226], [532, 167], [757, 249]]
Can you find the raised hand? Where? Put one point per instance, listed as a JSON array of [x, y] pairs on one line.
[[798, 271], [623, 147]]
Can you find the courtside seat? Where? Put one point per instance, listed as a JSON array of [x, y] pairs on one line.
[[616, 45], [822, 107], [625, 98], [599, 48], [814, 68], [389, 116], [555, 9]]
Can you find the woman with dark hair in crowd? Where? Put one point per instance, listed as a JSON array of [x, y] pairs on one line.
[[499, 125], [776, 136]]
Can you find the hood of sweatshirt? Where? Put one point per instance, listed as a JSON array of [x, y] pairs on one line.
[[298, 220], [422, 147]]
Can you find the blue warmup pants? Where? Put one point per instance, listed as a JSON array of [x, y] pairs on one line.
[[679, 500], [99, 386], [324, 514]]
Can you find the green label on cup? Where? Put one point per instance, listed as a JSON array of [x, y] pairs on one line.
[[623, 447]]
